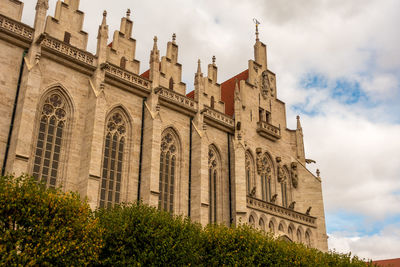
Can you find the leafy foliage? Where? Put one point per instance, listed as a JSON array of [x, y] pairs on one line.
[[40, 226], [46, 227], [136, 234]]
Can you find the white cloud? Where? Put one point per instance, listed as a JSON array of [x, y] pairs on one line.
[[384, 245]]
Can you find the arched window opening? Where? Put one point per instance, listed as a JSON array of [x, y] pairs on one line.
[[168, 162], [251, 220], [265, 170], [113, 155], [290, 233], [122, 64], [52, 125], [212, 104], [171, 84], [308, 239], [299, 237], [271, 227], [261, 223], [284, 194], [280, 228], [213, 168]]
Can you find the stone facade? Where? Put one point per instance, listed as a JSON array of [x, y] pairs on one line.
[[92, 124]]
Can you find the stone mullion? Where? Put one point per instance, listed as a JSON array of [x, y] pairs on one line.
[[115, 168], [108, 168], [46, 133], [52, 150]]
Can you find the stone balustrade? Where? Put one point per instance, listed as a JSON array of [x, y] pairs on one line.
[[68, 50], [127, 76], [15, 27], [268, 130], [281, 212], [219, 117], [176, 98]]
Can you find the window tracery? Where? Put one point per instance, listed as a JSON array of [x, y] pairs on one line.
[[213, 165], [168, 162], [249, 174], [113, 154], [264, 169], [49, 143]]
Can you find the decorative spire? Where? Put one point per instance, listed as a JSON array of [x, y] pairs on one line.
[[257, 23], [173, 38], [155, 43], [199, 67], [128, 13], [298, 122], [318, 173], [213, 60], [104, 22]]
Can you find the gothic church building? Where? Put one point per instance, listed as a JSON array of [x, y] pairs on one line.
[[100, 125]]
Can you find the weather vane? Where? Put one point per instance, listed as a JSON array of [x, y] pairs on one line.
[[257, 23]]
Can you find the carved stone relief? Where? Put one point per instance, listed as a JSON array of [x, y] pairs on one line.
[[265, 85]]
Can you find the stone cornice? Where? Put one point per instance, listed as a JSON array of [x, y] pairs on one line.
[[281, 212]]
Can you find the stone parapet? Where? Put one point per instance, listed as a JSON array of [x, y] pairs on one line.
[[268, 131], [219, 117], [178, 99], [67, 50], [16, 28], [278, 211], [127, 76]]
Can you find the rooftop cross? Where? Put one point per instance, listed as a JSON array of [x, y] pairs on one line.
[[257, 23]]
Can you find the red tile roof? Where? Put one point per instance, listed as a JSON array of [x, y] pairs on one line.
[[228, 91], [191, 94], [391, 262], [146, 74]]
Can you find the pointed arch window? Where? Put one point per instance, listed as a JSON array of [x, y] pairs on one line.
[[213, 165], [284, 194], [290, 233], [168, 167], [113, 156], [299, 237], [261, 223], [271, 227], [49, 144], [171, 84], [265, 170], [308, 239]]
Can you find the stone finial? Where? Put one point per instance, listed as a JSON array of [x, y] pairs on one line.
[[237, 92], [104, 17], [173, 38], [128, 13], [318, 173], [155, 43], [42, 4], [298, 122], [198, 66], [213, 60]]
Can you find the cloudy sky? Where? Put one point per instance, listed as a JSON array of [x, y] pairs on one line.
[[338, 67]]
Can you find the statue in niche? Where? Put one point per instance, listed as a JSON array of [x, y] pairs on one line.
[[281, 172], [265, 85], [259, 161], [295, 178]]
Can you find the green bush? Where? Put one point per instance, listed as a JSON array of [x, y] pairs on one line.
[[136, 234], [45, 227]]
